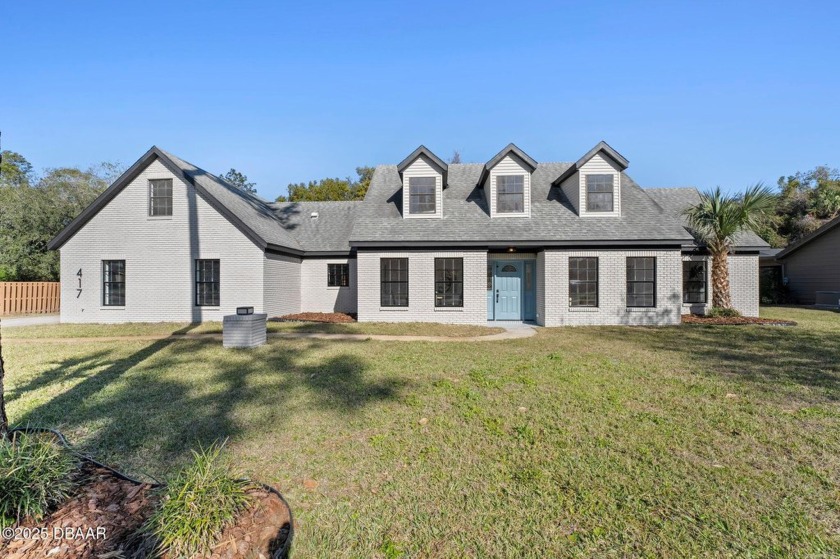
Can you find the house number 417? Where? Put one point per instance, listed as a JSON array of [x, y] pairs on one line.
[[79, 290]]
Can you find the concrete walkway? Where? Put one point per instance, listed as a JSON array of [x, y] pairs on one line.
[[512, 332], [31, 320]]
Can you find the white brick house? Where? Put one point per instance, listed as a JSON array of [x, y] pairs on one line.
[[555, 243]]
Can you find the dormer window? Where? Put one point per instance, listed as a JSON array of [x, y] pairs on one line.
[[423, 175], [510, 193], [506, 180], [599, 193], [421, 195]]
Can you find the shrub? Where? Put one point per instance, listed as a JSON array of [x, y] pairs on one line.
[[35, 475], [196, 506], [719, 312]]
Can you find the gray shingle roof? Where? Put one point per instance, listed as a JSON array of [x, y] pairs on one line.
[[256, 213], [466, 217], [329, 232], [676, 200]]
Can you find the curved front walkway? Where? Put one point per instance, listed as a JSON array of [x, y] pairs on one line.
[[512, 332]]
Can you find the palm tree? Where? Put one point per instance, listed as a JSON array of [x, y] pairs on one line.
[[717, 219]]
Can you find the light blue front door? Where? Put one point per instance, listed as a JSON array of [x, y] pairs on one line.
[[508, 284]]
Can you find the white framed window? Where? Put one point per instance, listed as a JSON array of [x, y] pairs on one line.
[[510, 194], [599, 193], [422, 194]]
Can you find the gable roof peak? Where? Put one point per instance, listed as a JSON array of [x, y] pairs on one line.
[[511, 148], [529, 161], [601, 147], [422, 150]]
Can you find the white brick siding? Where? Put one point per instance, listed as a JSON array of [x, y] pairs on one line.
[[743, 283], [317, 296], [612, 290], [282, 285], [421, 288], [159, 254]]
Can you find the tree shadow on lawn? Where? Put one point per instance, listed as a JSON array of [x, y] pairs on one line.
[[136, 414], [768, 356]]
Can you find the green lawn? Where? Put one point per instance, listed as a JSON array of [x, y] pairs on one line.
[[690, 441], [167, 328]]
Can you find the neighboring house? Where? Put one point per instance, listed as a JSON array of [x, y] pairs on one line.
[[812, 264], [512, 239]]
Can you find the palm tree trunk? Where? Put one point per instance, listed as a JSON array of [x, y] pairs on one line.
[[4, 420], [720, 280]]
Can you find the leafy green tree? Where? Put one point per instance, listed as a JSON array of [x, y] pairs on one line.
[[717, 219], [15, 170], [806, 200], [240, 181], [32, 214], [363, 183], [334, 189]]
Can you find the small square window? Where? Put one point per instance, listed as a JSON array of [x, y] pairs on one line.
[[338, 275]]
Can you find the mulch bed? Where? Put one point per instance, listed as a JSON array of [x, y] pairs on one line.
[[326, 317], [101, 519], [104, 512], [733, 320]]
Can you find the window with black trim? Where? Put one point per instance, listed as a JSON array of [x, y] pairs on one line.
[[449, 282], [113, 283], [583, 281], [694, 281], [393, 282], [207, 283], [510, 194], [160, 197], [338, 275], [641, 281], [599, 193], [421, 195]]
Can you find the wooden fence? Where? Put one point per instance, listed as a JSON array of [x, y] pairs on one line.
[[29, 297]]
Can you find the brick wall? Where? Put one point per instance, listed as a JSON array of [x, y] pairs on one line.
[[159, 254], [553, 306], [421, 295], [743, 283], [317, 296]]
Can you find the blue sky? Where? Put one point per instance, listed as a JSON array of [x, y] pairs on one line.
[[698, 94]]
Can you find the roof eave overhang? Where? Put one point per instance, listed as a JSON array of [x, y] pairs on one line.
[[675, 243], [154, 153]]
